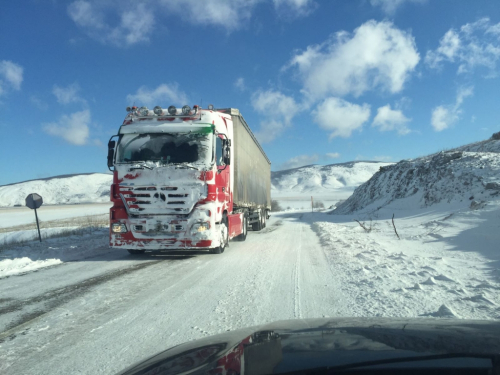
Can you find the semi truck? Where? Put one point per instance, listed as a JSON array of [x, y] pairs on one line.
[[186, 178]]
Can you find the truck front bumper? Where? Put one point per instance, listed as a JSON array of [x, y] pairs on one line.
[[165, 233], [127, 241]]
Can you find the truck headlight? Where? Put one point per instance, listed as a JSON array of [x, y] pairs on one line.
[[118, 228], [200, 227]]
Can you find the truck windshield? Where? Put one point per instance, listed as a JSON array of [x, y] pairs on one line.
[[166, 148]]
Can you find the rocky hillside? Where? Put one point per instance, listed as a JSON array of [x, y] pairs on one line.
[[467, 175]]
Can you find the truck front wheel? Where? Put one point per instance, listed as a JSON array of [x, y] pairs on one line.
[[224, 233]]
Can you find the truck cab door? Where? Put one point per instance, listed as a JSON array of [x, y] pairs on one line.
[[222, 178]]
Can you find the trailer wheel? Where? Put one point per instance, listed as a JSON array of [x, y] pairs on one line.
[[258, 224], [136, 251], [243, 235], [225, 235]]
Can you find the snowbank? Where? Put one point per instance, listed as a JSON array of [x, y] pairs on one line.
[[446, 264], [33, 255]]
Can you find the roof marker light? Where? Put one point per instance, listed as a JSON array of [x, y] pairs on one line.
[[186, 109], [172, 110], [158, 110], [144, 111]]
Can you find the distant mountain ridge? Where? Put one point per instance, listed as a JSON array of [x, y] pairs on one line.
[[65, 189], [324, 178], [95, 187]]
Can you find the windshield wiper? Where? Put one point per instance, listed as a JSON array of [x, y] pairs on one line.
[[142, 166], [184, 165], [495, 362]]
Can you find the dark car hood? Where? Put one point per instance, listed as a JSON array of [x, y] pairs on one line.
[[293, 345]]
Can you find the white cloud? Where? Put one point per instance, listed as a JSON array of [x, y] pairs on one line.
[[445, 116], [164, 95], [376, 55], [230, 15], [294, 8], [279, 110], [332, 155], [340, 117], [390, 6], [234, 14], [11, 76], [73, 129], [39, 103], [127, 22], [388, 119], [135, 24], [382, 158], [442, 118], [67, 95], [475, 45], [299, 161], [463, 93], [240, 84]]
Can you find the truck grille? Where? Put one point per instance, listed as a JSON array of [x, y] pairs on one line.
[[144, 200]]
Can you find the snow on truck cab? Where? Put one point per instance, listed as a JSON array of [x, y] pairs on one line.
[[188, 178]]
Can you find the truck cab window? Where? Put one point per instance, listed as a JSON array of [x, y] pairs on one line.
[[218, 151]]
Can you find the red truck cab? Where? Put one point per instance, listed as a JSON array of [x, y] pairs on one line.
[[173, 179]]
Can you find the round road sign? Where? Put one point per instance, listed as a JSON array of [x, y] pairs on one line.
[[34, 201]]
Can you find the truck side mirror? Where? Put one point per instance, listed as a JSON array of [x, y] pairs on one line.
[[111, 153], [226, 154]]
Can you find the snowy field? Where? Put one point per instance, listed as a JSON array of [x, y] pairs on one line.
[[21, 216], [289, 202]]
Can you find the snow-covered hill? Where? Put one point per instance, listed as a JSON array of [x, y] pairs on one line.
[[94, 187], [466, 176], [80, 188], [324, 178]]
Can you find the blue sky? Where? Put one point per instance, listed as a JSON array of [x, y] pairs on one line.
[[318, 81]]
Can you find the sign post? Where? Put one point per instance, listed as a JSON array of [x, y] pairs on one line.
[[34, 201]]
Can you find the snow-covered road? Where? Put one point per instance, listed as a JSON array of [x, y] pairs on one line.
[[72, 305], [102, 314]]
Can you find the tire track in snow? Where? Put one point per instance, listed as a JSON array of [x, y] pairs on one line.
[[296, 278], [57, 297]]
